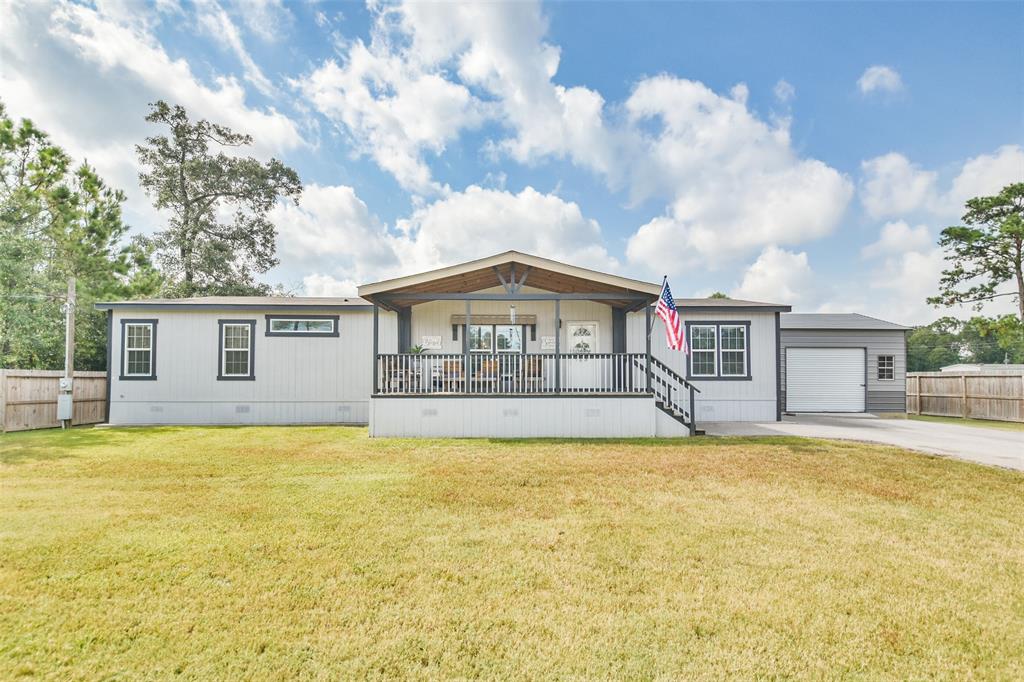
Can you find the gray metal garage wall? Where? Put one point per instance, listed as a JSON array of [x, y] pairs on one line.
[[883, 396]]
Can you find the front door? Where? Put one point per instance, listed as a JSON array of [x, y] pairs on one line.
[[581, 370]]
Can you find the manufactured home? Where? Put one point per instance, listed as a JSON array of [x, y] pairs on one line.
[[513, 345]]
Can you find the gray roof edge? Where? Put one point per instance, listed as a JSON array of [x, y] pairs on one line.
[[282, 304], [850, 321]]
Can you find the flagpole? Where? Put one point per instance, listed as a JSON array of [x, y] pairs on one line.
[[655, 320]]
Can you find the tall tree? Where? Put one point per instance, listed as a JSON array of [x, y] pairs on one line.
[[58, 221], [934, 346], [202, 251], [986, 252]]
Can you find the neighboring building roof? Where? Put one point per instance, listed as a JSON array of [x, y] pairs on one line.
[[232, 302], [823, 321], [983, 368]]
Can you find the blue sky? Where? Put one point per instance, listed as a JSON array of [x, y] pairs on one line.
[[794, 152]]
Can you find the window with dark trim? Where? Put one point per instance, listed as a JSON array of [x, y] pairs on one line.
[[886, 367], [235, 350], [718, 350], [302, 325], [138, 350], [497, 338]]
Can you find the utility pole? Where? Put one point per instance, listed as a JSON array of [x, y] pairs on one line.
[[65, 407]]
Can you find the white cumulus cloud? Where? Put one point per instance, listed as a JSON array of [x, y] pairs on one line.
[[892, 185], [318, 284], [734, 180], [777, 276], [898, 237], [880, 78], [784, 91], [480, 222]]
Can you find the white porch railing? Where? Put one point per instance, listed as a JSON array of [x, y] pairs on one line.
[[511, 373]]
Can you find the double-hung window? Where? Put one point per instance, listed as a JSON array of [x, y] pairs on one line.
[[236, 350], [886, 367], [138, 349], [734, 350], [703, 350], [719, 350]]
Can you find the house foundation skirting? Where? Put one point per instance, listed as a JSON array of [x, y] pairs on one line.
[[518, 417]]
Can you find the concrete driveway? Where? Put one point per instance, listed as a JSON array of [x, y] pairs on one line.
[[977, 444]]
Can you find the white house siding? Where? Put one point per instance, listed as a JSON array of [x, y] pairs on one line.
[[882, 395], [722, 400], [509, 417], [298, 380], [435, 318]]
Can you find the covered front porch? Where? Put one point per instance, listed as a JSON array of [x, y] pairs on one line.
[[517, 326]]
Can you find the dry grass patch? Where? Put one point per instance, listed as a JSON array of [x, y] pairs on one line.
[[979, 423], [317, 552]]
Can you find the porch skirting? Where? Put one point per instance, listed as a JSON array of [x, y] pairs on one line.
[[625, 416]]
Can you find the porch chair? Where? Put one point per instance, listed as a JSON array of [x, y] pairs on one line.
[[451, 379], [486, 378], [533, 374]]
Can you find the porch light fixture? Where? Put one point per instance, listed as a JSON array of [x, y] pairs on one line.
[[512, 314]]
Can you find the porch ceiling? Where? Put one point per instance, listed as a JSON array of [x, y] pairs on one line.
[[509, 270]]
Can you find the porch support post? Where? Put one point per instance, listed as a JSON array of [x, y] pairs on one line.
[[647, 326], [376, 346], [465, 350], [558, 346], [404, 329], [618, 330]]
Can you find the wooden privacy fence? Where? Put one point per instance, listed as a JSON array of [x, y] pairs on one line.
[[28, 398], [980, 396]]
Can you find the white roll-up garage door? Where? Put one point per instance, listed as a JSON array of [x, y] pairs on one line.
[[825, 379]]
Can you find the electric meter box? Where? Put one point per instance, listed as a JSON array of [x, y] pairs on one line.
[[65, 408]]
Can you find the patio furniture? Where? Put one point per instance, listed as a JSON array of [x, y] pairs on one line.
[[485, 380], [451, 378]]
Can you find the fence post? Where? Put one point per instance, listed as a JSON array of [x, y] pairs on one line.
[[963, 396], [3, 401]]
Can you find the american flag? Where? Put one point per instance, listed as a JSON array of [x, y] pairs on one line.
[[666, 310]]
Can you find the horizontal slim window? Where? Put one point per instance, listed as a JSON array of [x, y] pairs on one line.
[[312, 325]]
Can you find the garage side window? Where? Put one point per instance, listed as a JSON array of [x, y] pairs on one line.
[[719, 350], [886, 367], [138, 349], [236, 350]]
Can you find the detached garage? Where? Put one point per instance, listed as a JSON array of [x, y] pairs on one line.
[[842, 363]]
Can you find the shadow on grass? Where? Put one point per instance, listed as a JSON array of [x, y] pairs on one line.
[[796, 442], [50, 444]]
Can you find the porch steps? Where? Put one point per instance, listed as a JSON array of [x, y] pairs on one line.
[[677, 414]]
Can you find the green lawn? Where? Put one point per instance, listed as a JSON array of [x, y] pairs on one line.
[[983, 423], [283, 553]]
